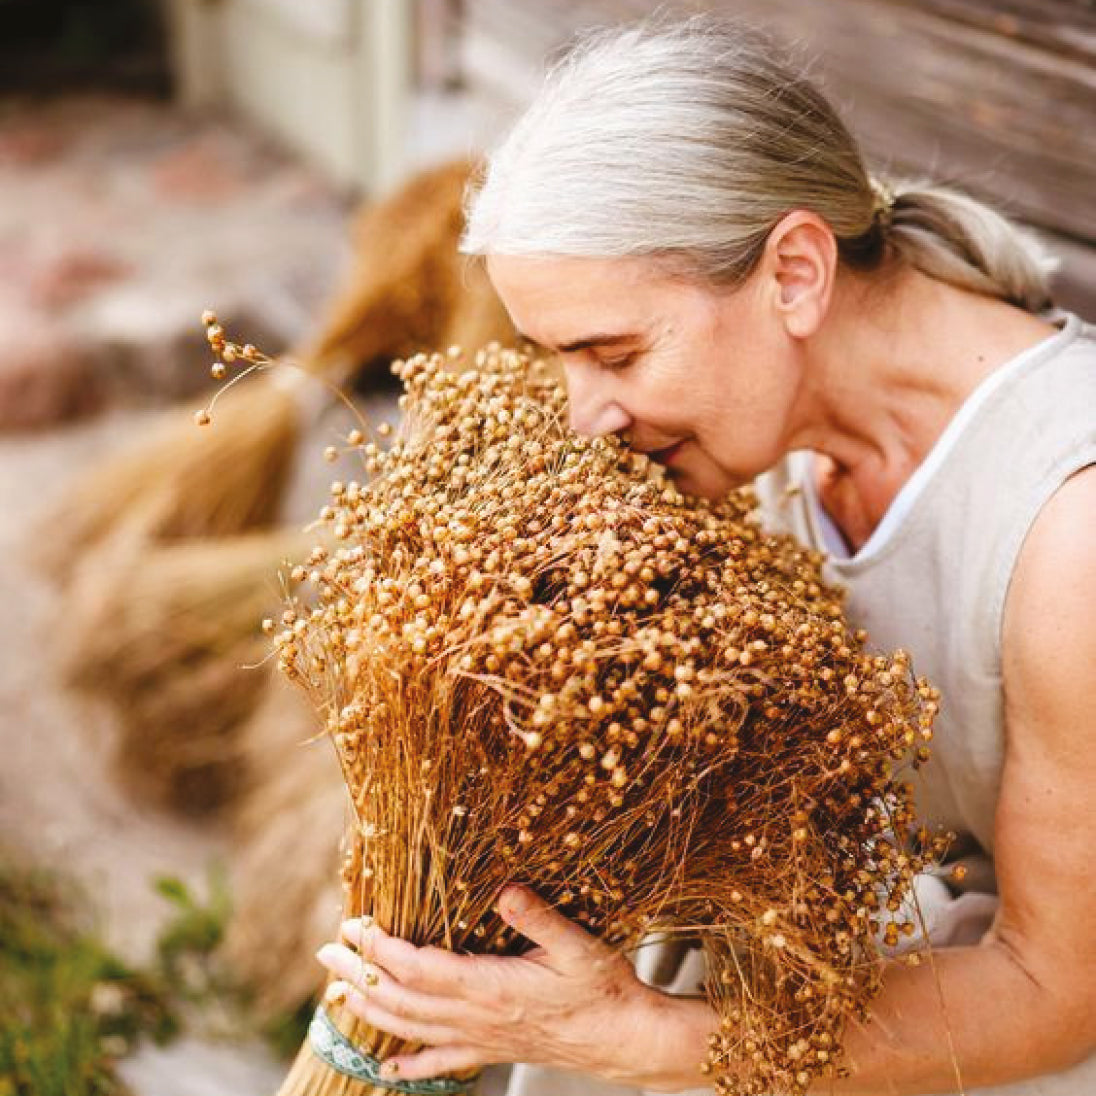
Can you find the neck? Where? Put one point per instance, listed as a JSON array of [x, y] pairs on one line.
[[885, 375]]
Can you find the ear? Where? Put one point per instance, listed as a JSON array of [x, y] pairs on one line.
[[800, 263]]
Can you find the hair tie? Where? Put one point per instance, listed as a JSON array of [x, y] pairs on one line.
[[883, 196]]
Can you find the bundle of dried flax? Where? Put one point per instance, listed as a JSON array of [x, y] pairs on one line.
[[539, 662]]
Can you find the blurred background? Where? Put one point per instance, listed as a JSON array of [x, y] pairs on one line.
[[168, 835]]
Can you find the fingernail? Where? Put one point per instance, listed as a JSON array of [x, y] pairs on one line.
[[390, 1069], [352, 930], [510, 903], [327, 954], [336, 992]]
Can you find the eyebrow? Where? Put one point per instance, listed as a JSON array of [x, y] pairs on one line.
[[587, 342]]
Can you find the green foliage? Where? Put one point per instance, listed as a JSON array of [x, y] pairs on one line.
[[287, 1030], [68, 1007], [187, 945]]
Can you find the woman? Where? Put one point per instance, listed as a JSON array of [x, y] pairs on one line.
[[690, 227]]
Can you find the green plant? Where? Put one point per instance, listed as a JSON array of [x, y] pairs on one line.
[[286, 1031], [68, 1007], [187, 946]]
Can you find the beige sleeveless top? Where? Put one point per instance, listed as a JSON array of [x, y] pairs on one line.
[[934, 575], [933, 579]]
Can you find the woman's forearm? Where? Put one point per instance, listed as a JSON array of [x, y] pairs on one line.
[[963, 1018]]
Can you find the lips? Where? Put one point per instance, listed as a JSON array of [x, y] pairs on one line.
[[666, 455]]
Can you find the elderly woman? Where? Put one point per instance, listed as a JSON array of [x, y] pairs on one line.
[[690, 227]]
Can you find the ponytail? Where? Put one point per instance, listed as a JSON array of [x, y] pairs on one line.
[[950, 236]]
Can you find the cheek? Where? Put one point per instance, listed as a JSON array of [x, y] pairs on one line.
[[666, 395], [738, 434], [746, 411]]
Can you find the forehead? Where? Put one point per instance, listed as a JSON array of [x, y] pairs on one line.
[[558, 300]]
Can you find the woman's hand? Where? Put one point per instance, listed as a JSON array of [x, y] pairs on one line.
[[572, 1003]]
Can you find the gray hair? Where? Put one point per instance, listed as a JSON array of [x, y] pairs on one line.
[[690, 141]]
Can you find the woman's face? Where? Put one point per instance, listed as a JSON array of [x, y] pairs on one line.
[[703, 380]]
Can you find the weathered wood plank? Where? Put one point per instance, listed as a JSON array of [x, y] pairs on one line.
[[1067, 27], [1009, 120], [943, 87]]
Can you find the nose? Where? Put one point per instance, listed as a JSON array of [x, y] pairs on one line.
[[593, 411]]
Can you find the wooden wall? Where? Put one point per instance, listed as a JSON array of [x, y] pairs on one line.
[[998, 96]]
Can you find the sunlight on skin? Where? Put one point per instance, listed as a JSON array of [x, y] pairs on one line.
[[472, 1011], [648, 355]]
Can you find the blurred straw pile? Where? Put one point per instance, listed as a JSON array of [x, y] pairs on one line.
[[168, 556]]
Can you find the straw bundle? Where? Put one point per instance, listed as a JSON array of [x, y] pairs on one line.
[[173, 485], [170, 631], [410, 287], [407, 288], [286, 826], [538, 662]]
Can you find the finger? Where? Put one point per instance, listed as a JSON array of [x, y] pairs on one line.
[[381, 988], [563, 942], [398, 957], [367, 1010], [433, 1062], [351, 929], [428, 969], [350, 966]]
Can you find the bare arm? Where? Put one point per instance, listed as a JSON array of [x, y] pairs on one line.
[[1024, 1001]]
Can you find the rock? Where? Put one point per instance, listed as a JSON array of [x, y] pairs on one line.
[[208, 169], [29, 143], [46, 376], [73, 276], [121, 219]]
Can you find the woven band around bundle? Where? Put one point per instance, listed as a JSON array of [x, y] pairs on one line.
[[335, 1049]]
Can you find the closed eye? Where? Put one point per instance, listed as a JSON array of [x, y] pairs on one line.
[[621, 361], [599, 360]]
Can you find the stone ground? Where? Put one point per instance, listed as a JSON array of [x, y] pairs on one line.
[[120, 220]]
